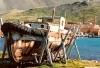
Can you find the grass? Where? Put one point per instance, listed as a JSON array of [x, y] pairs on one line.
[[73, 63], [22, 15], [6, 54]]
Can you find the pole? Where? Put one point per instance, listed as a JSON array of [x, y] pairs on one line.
[[53, 15]]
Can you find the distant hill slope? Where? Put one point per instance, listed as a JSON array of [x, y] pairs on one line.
[[31, 4]]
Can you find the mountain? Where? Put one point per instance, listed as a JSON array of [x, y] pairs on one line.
[[6, 5]]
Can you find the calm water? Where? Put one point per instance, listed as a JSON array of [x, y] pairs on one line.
[[89, 48], [2, 41]]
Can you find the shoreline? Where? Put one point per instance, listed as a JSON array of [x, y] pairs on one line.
[[71, 63]]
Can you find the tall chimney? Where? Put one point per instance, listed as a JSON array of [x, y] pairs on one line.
[[53, 15]]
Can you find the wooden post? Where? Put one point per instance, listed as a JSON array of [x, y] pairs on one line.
[[71, 47], [62, 43], [9, 46], [45, 45], [73, 43], [64, 49], [42, 50], [77, 51]]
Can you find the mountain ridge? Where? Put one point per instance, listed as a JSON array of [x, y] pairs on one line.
[[6, 5]]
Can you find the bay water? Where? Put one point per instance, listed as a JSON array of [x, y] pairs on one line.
[[89, 48]]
